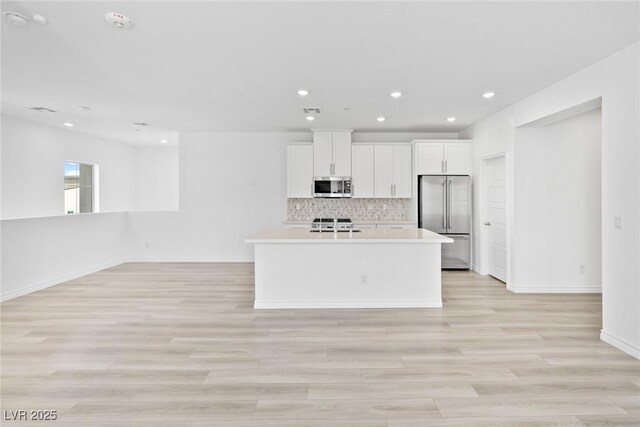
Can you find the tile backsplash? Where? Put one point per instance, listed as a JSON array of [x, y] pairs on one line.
[[359, 209]]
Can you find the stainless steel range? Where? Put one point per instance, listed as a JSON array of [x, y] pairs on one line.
[[332, 224]]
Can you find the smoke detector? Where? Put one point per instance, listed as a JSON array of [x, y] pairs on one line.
[[118, 20], [16, 18]]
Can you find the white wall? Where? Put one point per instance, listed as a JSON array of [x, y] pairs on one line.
[[557, 218], [42, 246], [156, 178], [40, 252], [615, 79], [232, 184], [33, 169]]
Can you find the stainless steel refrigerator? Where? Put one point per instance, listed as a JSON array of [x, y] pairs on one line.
[[444, 206]]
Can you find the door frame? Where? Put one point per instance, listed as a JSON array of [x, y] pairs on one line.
[[484, 267]]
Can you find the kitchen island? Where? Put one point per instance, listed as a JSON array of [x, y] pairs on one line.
[[371, 268]]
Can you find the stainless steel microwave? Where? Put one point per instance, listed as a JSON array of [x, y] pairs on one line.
[[332, 186]]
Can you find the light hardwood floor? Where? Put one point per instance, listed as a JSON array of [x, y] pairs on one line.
[[180, 345]]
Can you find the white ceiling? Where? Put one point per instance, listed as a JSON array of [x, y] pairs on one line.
[[220, 66]]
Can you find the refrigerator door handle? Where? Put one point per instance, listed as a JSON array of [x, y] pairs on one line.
[[449, 205], [444, 204]]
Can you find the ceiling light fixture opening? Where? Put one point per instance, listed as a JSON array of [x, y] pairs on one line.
[[68, 124], [303, 92], [118, 20], [164, 141], [381, 119], [488, 95], [396, 94], [39, 19], [451, 119], [311, 118]]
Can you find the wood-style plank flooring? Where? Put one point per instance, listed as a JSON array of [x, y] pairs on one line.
[[180, 345]]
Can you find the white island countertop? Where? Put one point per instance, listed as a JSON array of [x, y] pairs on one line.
[[387, 235]]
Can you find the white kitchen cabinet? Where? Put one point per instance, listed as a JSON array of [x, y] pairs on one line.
[[362, 176], [299, 171], [442, 158], [456, 158], [402, 172], [342, 153], [383, 171], [332, 153], [392, 171]]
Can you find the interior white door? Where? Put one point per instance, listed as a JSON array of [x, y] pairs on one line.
[[342, 153], [362, 171], [322, 153], [402, 172], [383, 171], [496, 216]]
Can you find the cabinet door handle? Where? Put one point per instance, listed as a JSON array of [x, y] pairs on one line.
[[446, 166], [442, 166]]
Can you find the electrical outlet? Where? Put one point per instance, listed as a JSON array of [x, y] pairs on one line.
[[580, 268], [617, 222], [364, 279]]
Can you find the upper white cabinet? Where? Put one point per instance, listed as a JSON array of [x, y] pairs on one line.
[[442, 158], [392, 171], [362, 177], [332, 153], [299, 171]]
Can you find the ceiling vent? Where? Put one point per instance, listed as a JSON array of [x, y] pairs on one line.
[[141, 124], [42, 109], [311, 110], [16, 18]]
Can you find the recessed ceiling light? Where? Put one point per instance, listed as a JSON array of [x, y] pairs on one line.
[[84, 107], [303, 92], [451, 119], [311, 118], [488, 94], [40, 19], [396, 94], [164, 141], [381, 119], [69, 125]]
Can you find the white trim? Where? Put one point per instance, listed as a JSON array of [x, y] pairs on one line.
[[348, 304], [235, 260], [620, 344], [59, 280], [593, 289]]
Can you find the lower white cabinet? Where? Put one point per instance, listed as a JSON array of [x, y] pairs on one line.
[[299, 171]]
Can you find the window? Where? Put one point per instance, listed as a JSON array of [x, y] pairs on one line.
[[78, 188]]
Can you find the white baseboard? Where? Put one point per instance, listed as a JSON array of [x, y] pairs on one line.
[[620, 344], [348, 304], [58, 280], [238, 260], [595, 289]]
